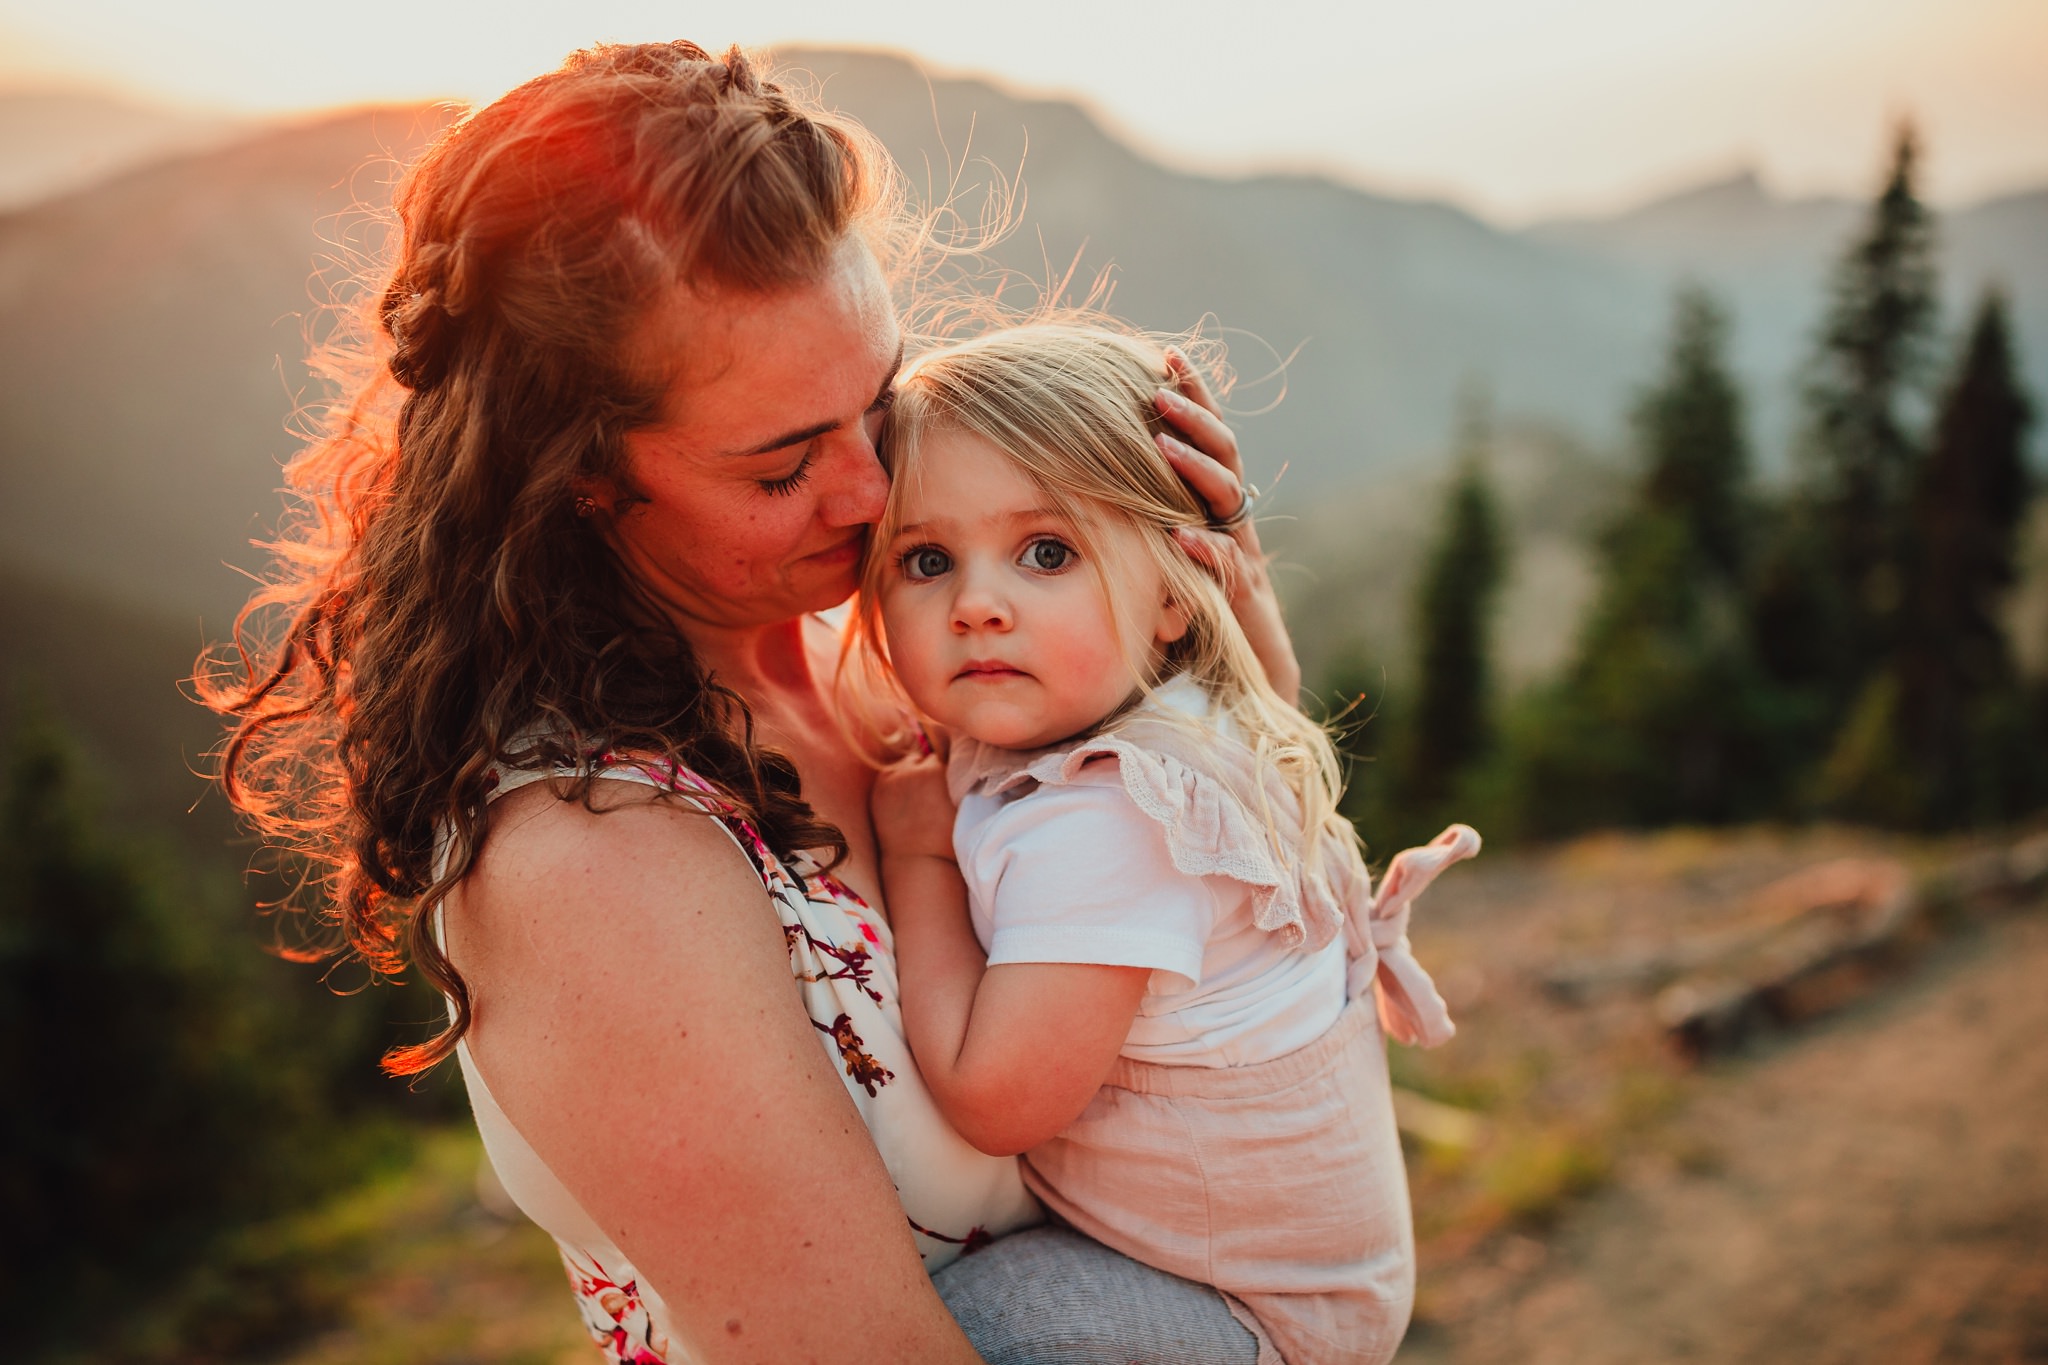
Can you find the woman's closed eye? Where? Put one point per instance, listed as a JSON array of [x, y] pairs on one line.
[[790, 482], [1048, 554], [922, 563], [878, 411]]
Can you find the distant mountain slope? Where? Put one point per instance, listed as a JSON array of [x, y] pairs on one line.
[[151, 331], [150, 326], [1770, 259], [109, 675], [1393, 303], [53, 142]]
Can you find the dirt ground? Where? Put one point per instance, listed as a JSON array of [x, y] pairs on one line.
[[1867, 1185], [1873, 1187]]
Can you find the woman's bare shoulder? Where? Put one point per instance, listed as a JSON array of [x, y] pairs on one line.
[[636, 1019], [553, 868]]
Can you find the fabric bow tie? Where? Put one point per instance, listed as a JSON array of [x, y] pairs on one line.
[[1410, 1009]]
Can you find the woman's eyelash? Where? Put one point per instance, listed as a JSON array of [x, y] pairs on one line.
[[884, 400], [790, 482]]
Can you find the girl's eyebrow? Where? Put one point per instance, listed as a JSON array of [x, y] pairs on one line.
[[1029, 514]]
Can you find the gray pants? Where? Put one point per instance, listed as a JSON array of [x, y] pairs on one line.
[[1049, 1296]]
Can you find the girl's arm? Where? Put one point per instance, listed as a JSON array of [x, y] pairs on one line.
[[1012, 1054], [636, 1020]]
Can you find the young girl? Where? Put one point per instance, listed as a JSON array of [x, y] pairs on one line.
[[1137, 955]]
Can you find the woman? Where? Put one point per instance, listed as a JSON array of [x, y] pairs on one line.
[[550, 712]]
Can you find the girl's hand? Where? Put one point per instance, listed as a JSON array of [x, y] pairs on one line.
[[912, 810], [1203, 450]]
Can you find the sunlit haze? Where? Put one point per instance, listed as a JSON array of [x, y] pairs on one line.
[[1513, 109]]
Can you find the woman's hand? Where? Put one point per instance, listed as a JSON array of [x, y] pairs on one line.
[[1203, 451]]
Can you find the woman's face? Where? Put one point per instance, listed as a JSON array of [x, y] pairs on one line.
[[759, 481]]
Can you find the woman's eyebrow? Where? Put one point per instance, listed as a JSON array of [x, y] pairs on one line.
[[790, 438]]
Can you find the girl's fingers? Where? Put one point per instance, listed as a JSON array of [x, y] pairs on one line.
[[1215, 483]]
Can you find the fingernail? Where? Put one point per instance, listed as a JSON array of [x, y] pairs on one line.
[[1168, 398]]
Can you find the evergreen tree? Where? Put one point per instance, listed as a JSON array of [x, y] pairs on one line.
[[1661, 714], [135, 1109], [1954, 664], [1688, 428], [165, 1081], [1451, 728], [1862, 453]]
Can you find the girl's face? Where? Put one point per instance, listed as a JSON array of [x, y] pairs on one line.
[[997, 625], [759, 483]]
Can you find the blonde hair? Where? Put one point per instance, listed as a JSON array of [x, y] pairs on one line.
[[1071, 402]]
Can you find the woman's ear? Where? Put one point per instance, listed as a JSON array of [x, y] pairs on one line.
[[594, 494]]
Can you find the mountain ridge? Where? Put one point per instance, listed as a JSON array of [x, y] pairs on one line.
[[151, 325]]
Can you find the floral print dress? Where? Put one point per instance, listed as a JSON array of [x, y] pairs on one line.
[[840, 953]]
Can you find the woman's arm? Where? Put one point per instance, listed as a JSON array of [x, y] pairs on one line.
[[1205, 455], [1012, 1054], [636, 1020]]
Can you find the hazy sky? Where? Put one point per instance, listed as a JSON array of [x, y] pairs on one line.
[[1516, 108]]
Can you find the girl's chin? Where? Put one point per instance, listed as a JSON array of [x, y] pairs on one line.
[[1016, 732]]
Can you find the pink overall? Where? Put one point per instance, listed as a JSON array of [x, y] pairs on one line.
[[1280, 1182]]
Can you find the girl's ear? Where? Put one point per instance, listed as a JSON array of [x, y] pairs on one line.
[[1173, 621]]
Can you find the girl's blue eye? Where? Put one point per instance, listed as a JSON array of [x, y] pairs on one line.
[[1048, 555], [926, 561]]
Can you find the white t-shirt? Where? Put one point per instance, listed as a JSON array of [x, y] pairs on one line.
[[1077, 873]]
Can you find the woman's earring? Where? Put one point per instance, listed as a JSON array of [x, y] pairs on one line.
[[586, 506]]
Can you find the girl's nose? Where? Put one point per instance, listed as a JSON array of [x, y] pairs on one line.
[[978, 606]]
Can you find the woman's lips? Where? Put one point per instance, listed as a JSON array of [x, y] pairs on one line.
[[845, 552]]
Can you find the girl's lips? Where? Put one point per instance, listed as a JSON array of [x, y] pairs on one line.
[[987, 670]]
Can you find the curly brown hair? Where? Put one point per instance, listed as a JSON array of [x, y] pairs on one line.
[[439, 609]]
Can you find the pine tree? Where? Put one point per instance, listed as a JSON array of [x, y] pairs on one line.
[[1689, 430], [1451, 726], [1660, 714], [1862, 452], [165, 1081], [1954, 663], [130, 1105]]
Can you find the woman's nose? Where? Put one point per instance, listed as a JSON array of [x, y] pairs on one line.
[[859, 486]]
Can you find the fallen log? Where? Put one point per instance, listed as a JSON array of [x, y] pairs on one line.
[[1830, 917]]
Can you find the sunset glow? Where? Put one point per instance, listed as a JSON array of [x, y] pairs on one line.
[[1515, 110]]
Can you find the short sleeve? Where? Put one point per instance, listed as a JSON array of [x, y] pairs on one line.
[[1077, 873]]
